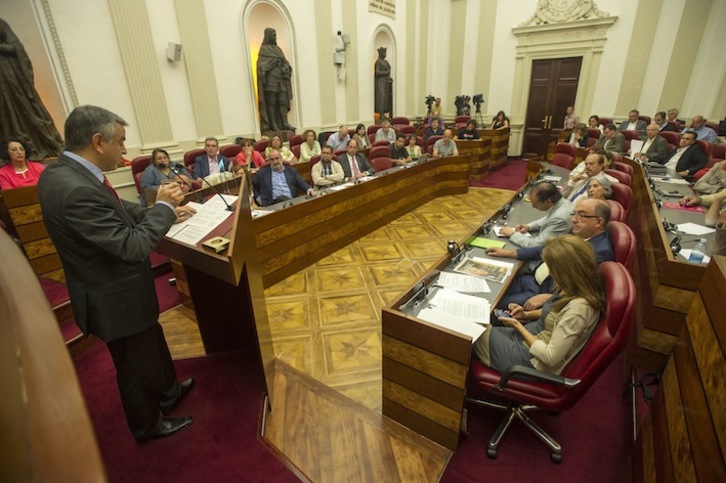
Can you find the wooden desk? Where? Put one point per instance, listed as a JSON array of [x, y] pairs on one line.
[[499, 147], [666, 284], [480, 152]]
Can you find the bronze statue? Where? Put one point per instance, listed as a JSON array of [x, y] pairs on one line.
[[383, 85], [274, 87], [22, 113]]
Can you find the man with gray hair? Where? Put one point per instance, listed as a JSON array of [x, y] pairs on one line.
[[104, 243], [655, 146]]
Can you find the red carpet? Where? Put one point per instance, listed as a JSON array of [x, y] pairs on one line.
[[594, 436], [509, 176], [221, 445]]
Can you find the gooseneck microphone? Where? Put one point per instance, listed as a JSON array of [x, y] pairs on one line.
[[214, 189], [174, 170]]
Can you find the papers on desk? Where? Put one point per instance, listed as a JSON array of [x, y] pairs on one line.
[[636, 146], [462, 283], [554, 179], [493, 270], [668, 180], [208, 217], [694, 229], [498, 231], [340, 186], [465, 314]]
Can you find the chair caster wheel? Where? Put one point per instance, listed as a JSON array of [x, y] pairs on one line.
[[491, 454], [556, 458]]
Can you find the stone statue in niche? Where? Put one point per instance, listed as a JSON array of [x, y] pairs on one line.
[[383, 84], [21, 110], [558, 11], [274, 85]]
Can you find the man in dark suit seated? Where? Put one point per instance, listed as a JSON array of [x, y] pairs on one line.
[[104, 243], [655, 146], [634, 124], [589, 220], [687, 159], [276, 182], [211, 162], [611, 140], [662, 122], [354, 164]]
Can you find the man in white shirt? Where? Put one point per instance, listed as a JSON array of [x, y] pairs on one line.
[[687, 159], [339, 140], [385, 133], [655, 147], [634, 124], [594, 165]]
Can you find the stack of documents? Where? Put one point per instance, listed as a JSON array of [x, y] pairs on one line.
[[465, 314], [208, 217]]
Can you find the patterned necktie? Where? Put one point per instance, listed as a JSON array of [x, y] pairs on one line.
[[354, 166]]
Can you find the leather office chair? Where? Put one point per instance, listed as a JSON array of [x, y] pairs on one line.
[[295, 140], [591, 141], [673, 138], [624, 242], [295, 151], [621, 176], [630, 135], [230, 151], [379, 152], [625, 168], [617, 213], [372, 129], [138, 165], [381, 164], [189, 158], [564, 155], [486, 387], [623, 194], [408, 130]]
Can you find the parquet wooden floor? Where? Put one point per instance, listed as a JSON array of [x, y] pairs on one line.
[[326, 327]]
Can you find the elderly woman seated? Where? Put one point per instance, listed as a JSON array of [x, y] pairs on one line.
[[599, 187], [567, 320]]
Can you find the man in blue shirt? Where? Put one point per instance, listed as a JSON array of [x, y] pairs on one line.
[[276, 182], [704, 132]]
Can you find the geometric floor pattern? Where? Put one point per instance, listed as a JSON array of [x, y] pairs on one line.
[[326, 319]]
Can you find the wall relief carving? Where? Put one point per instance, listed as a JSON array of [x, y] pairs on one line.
[[559, 11]]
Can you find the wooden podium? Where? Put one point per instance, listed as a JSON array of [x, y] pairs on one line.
[[226, 289]]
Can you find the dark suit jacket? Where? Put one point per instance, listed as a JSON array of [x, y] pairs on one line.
[[692, 160], [617, 143], [262, 184], [201, 165], [600, 243], [666, 127], [363, 164], [104, 246], [657, 150]]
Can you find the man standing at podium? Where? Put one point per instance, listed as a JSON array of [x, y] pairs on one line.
[[104, 243]]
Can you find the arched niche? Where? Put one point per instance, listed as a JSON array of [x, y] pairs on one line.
[[258, 15], [383, 37]]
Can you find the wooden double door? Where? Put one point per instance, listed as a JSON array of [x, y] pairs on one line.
[[553, 87]]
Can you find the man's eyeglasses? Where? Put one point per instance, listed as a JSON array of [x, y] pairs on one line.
[[582, 214]]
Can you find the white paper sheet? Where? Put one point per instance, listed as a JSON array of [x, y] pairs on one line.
[[498, 229], [636, 146], [461, 313], [694, 229], [208, 217], [340, 187], [463, 283]]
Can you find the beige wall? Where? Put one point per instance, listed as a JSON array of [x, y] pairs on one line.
[[426, 59]]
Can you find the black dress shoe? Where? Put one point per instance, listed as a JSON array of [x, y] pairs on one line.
[[168, 406], [168, 427]]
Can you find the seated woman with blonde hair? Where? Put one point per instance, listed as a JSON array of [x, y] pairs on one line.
[[285, 153], [568, 319]]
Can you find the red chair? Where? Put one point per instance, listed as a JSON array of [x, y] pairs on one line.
[[295, 150], [381, 164], [623, 240], [593, 133], [591, 141], [673, 138], [402, 121], [559, 392], [621, 176], [380, 152], [606, 120], [189, 158], [382, 142], [630, 135], [372, 138], [432, 140], [625, 168], [626, 146], [230, 151], [617, 213], [408, 130], [261, 145], [623, 194], [138, 165], [719, 151], [295, 140], [711, 125], [462, 120], [645, 118], [705, 147], [372, 129], [675, 125], [701, 173], [564, 155], [323, 137]]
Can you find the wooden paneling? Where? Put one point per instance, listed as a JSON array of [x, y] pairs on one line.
[[480, 152], [684, 436], [499, 147]]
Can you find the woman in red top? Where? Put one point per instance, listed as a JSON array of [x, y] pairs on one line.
[[18, 172], [249, 156]]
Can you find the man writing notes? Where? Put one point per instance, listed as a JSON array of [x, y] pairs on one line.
[[104, 243], [545, 197]]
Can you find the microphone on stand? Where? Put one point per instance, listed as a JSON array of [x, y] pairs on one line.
[[174, 169]]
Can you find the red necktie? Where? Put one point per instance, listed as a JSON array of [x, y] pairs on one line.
[[110, 188], [354, 167]]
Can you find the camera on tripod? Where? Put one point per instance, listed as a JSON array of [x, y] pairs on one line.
[[462, 105], [429, 102], [478, 100]]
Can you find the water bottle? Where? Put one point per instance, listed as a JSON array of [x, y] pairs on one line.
[[698, 252]]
